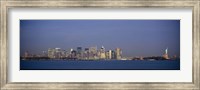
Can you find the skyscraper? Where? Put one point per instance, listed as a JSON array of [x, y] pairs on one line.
[[67, 54], [57, 53], [110, 54], [79, 53], [107, 54], [92, 52], [79, 50], [86, 53], [113, 56], [73, 54], [118, 53], [51, 53], [63, 54], [102, 53]]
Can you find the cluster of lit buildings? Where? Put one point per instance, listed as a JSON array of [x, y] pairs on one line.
[[91, 53]]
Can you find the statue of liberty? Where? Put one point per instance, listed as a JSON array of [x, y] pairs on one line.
[[166, 50], [166, 54]]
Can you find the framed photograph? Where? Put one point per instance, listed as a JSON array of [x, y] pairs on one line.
[[121, 44], [136, 52]]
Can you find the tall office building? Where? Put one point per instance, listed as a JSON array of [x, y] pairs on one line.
[[118, 53], [57, 53], [63, 54], [51, 53], [86, 53], [71, 50], [79, 53], [107, 54], [67, 54], [102, 53], [92, 52], [73, 54], [79, 50], [113, 56], [110, 54], [98, 54]]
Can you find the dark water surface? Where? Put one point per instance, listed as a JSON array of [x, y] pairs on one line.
[[99, 65]]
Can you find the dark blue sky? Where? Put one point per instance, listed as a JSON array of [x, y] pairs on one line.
[[134, 37]]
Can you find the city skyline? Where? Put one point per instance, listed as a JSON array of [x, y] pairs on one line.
[[80, 53], [91, 53], [135, 37]]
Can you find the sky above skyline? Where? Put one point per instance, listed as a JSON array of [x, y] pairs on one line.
[[134, 37]]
